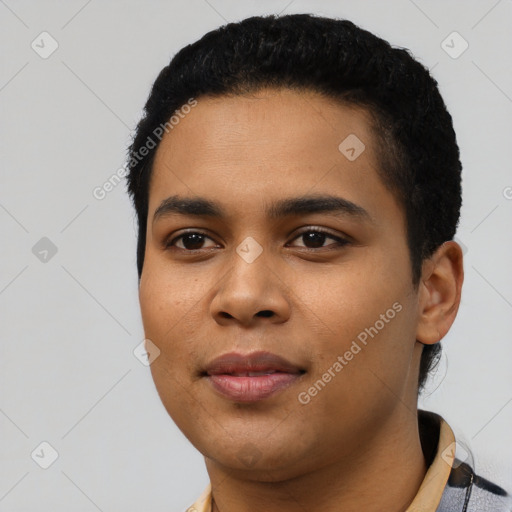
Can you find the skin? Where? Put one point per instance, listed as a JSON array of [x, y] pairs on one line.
[[245, 152]]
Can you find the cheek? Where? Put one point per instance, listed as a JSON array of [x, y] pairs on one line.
[[167, 299], [348, 299], [172, 307], [166, 316], [365, 313]]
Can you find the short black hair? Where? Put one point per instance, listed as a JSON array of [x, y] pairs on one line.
[[416, 144]]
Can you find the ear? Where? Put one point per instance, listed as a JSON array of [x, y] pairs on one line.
[[439, 293]]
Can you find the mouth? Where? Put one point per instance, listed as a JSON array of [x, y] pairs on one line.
[[251, 377]]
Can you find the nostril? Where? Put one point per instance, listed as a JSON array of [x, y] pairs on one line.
[[265, 313]]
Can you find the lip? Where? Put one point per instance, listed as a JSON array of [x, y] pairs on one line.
[[251, 377]]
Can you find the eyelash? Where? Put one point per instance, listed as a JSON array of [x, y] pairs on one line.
[[340, 241]]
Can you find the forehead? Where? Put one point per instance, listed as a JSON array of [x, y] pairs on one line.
[[269, 144], [285, 123]]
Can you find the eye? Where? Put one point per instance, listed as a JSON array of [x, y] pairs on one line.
[[190, 241], [314, 238]]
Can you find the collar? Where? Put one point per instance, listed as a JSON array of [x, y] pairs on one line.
[[429, 494]]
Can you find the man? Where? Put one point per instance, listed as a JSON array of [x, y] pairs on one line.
[[297, 186]]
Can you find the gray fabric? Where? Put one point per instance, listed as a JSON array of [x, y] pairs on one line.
[[467, 492]]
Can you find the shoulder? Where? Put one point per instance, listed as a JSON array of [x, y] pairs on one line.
[[466, 491]]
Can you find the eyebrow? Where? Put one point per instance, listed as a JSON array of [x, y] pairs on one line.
[[294, 206]]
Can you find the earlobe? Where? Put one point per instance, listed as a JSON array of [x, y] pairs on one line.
[[439, 293]]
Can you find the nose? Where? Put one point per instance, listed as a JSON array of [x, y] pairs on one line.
[[250, 293]]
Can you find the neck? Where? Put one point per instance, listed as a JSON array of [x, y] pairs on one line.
[[386, 475]]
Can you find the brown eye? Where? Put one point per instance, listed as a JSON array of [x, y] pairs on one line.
[[189, 241], [315, 239]]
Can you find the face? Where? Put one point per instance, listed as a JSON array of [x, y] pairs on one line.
[[281, 299]]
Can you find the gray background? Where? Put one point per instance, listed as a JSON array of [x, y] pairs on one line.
[[70, 323]]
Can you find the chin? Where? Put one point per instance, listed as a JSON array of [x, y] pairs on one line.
[[262, 457]]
